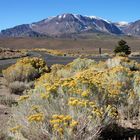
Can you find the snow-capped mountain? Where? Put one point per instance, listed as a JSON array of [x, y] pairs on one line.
[[66, 24], [122, 24], [61, 25]]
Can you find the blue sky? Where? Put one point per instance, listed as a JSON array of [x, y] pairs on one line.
[[15, 12]]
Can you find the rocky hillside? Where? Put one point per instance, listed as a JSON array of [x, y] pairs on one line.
[[133, 28]]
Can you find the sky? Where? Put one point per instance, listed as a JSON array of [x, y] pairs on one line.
[[16, 12]]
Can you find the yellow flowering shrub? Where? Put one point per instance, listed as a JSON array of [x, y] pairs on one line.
[[77, 100], [51, 51], [15, 129], [20, 75], [20, 72], [23, 98], [60, 123], [36, 62], [38, 117]]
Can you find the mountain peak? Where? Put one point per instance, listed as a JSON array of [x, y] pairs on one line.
[[68, 23], [65, 15]]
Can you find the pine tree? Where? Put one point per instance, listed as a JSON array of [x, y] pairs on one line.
[[122, 48]]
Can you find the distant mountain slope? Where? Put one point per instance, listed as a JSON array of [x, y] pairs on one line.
[[64, 24], [20, 31], [122, 25], [133, 28]]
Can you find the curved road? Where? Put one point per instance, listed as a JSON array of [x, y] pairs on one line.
[[50, 59]]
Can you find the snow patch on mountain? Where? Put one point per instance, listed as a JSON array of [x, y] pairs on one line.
[[99, 18], [77, 17], [64, 15], [60, 16], [122, 23], [32, 25]]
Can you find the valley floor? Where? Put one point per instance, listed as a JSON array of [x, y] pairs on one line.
[[88, 45]]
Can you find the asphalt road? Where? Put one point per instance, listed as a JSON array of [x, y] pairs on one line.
[[50, 59]]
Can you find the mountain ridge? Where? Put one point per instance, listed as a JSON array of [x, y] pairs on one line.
[[67, 24]]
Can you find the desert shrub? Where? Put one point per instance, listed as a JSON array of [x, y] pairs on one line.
[[81, 64], [18, 87], [51, 51], [6, 53], [19, 75], [56, 67], [20, 72], [78, 104], [38, 63], [69, 70], [7, 100], [123, 61]]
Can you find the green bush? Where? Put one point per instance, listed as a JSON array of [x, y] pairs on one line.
[[122, 48]]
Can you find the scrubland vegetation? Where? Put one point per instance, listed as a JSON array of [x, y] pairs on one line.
[[21, 75], [77, 101], [6, 53], [51, 51]]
